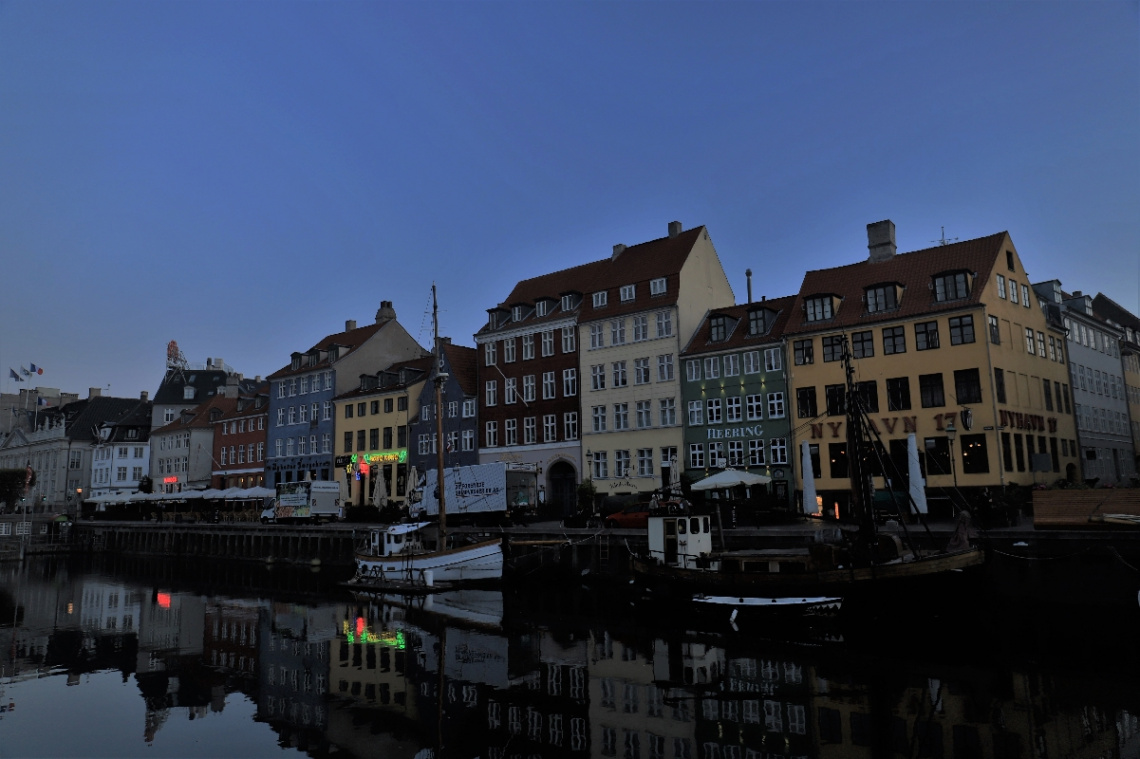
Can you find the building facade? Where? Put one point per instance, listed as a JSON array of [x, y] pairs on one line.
[[240, 429], [460, 412], [1129, 325], [120, 458], [185, 385], [1100, 398], [372, 431], [182, 452], [734, 396], [301, 421], [642, 306], [947, 345]]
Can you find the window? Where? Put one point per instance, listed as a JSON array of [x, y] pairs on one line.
[[601, 465], [881, 298], [696, 456], [953, 286], [1029, 341], [925, 336], [617, 332], [640, 328], [569, 382], [492, 392], [664, 324], [1025, 295], [803, 352], [600, 299], [644, 462], [868, 393], [570, 425], [597, 336], [1001, 286], [452, 409], [627, 293], [347, 412], [489, 353], [731, 365], [717, 329], [641, 371], [621, 463], [1048, 394], [668, 411], [732, 409], [894, 340], [599, 418], [509, 351], [863, 344], [548, 386], [696, 412], [962, 330], [967, 386], [806, 407], [713, 410], [712, 367], [754, 406], [1040, 344], [510, 390], [657, 286], [492, 434], [693, 370], [511, 432], [756, 453], [549, 428], [995, 330], [757, 322], [541, 307], [975, 458], [569, 340], [468, 440], [930, 390], [528, 388], [387, 405], [736, 453], [620, 377], [598, 377], [898, 394], [818, 308], [752, 362], [773, 360], [621, 416], [836, 396], [468, 408], [665, 367], [775, 405], [832, 348], [778, 450], [644, 414], [528, 346]]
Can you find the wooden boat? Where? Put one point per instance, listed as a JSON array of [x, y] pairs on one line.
[[401, 556], [842, 560]]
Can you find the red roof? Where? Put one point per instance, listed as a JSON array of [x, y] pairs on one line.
[[462, 361], [738, 337], [350, 339]]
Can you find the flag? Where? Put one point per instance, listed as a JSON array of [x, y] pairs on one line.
[[35, 369], [41, 401], [15, 376], [25, 372], [27, 476]]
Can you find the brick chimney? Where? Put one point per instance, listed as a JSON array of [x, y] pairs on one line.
[[881, 240], [618, 250], [674, 228]]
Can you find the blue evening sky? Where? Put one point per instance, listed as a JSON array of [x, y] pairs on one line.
[[245, 176]]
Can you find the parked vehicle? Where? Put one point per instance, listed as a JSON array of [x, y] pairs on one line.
[[636, 515], [305, 501], [482, 492]]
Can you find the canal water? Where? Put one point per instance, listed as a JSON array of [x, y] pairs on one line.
[[153, 659]]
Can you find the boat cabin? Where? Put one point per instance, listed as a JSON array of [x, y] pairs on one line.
[[397, 539], [680, 540]]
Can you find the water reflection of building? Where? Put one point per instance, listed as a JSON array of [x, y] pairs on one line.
[[230, 641], [294, 670]]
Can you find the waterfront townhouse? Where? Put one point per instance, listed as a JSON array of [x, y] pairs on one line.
[[735, 399], [1129, 325], [1100, 400], [121, 455], [301, 421], [372, 427], [240, 428], [459, 411], [644, 303], [182, 452], [60, 449], [186, 384], [527, 376], [947, 345]]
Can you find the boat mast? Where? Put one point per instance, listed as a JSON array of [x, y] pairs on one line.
[[440, 376], [862, 487]]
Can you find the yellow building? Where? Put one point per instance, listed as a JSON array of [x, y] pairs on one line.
[[951, 345], [372, 431]]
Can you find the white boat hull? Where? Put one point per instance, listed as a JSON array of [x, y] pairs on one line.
[[481, 562]]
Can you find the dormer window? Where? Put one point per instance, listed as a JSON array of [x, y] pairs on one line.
[[819, 308], [334, 353], [881, 298], [600, 299], [188, 393], [542, 308], [951, 286], [296, 362], [517, 313], [718, 329], [627, 293], [759, 321], [657, 286], [568, 302]]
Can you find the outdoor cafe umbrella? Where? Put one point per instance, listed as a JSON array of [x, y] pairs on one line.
[[380, 493], [674, 478], [730, 478], [810, 506]]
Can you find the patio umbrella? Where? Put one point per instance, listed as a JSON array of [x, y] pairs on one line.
[[730, 478], [380, 493], [674, 478], [914, 474], [810, 506]]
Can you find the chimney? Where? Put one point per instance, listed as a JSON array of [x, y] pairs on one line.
[[445, 340], [144, 396], [94, 392], [748, 273], [618, 250], [385, 311], [881, 240], [209, 363], [674, 228], [349, 325]]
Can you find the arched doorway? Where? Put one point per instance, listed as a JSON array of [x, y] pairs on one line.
[[562, 493]]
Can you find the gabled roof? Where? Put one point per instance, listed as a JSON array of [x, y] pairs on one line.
[[420, 367], [635, 265], [738, 337], [83, 418], [197, 417], [137, 420], [913, 271], [350, 340], [462, 361], [1110, 310], [207, 382]]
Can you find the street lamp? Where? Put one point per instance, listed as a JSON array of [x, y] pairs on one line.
[[951, 434]]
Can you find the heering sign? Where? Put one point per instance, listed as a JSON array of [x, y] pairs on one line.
[[755, 430]]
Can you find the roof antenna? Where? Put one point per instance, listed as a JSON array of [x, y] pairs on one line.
[[944, 241]]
